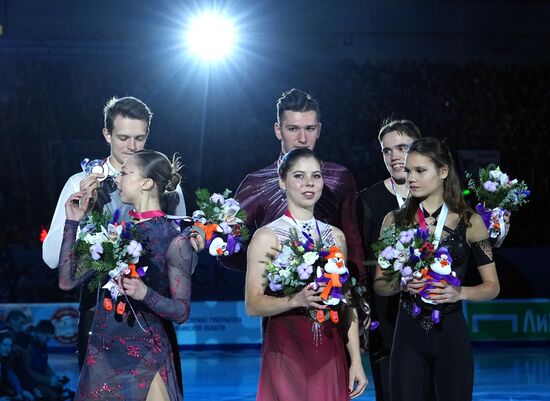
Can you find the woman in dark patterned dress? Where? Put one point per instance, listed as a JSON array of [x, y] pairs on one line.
[[426, 351], [301, 360], [130, 358]]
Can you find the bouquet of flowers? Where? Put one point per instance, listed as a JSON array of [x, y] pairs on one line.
[[404, 254], [220, 220], [497, 194], [305, 262], [109, 248]]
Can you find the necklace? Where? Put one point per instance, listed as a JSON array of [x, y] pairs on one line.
[[431, 218], [305, 226], [423, 221]]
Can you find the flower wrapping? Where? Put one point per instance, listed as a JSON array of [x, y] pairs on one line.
[[497, 194], [220, 221]]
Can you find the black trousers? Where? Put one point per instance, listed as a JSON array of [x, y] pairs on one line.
[[440, 357]]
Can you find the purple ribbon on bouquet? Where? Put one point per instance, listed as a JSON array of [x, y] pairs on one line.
[[484, 213]]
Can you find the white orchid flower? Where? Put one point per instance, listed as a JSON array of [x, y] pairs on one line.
[[311, 257], [384, 264]]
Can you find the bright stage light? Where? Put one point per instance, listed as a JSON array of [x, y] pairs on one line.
[[211, 37]]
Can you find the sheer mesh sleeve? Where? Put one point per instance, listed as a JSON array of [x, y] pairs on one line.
[[483, 252], [71, 274], [180, 260]]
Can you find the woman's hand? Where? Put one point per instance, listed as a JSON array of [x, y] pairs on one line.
[[310, 297], [415, 285], [78, 205], [197, 241], [133, 287], [445, 293], [90, 184], [357, 379]]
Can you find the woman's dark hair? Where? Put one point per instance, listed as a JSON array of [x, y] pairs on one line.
[[292, 157], [156, 166], [440, 155]]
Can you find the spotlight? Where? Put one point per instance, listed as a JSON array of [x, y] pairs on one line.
[[211, 37]]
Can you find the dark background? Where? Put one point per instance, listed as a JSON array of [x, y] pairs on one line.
[[474, 72]]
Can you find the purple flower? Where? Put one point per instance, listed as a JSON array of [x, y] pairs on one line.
[[406, 236], [225, 227], [274, 284], [406, 271], [304, 271], [413, 258], [423, 233], [217, 199], [387, 253], [134, 249], [490, 186], [230, 203], [96, 250]]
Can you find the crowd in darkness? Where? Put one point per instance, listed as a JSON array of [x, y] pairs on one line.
[[48, 107]]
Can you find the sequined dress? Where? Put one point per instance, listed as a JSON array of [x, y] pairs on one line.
[[299, 361], [123, 358]]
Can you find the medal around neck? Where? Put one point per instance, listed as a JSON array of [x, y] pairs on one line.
[[96, 166]]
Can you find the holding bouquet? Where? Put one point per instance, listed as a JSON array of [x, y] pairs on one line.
[[306, 262], [407, 254], [306, 278], [220, 221], [109, 248], [433, 234], [136, 341], [498, 196]]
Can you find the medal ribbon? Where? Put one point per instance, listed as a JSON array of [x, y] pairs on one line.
[[146, 215], [440, 222]]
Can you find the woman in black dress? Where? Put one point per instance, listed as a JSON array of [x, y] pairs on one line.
[[423, 350]]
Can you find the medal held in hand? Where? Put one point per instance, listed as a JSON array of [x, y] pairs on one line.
[[96, 166]]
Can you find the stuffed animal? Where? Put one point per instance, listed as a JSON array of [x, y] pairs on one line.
[[335, 274], [440, 270]]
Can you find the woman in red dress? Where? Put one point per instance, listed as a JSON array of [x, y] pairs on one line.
[[301, 359]]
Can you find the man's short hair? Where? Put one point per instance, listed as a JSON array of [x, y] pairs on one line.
[[403, 127], [299, 101], [128, 107]]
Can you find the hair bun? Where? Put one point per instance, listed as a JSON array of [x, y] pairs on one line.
[[174, 181]]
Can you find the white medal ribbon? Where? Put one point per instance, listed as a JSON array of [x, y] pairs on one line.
[[440, 223], [400, 200]]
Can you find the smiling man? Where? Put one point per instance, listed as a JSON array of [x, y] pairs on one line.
[[394, 136], [298, 125]]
